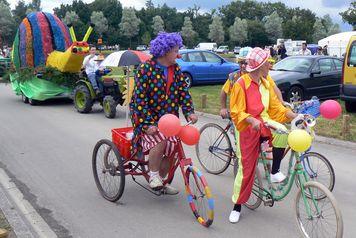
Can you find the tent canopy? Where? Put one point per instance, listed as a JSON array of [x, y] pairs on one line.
[[337, 43]]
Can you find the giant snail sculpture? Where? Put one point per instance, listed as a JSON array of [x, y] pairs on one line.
[[44, 41]]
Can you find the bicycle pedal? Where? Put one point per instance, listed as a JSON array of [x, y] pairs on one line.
[[268, 202]]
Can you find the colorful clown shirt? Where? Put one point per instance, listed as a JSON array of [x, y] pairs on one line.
[[152, 98]]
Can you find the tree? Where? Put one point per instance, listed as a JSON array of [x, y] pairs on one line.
[[101, 23], [158, 25], [188, 32], [146, 38], [319, 30], [334, 29], [257, 35], [129, 25], [7, 25], [19, 13], [71, 17], [273, 26], [216, 33], [238, 31], [349, 15], [35, 5]]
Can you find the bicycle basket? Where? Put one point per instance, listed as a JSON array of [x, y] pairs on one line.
[[121, 137], [311, 107]]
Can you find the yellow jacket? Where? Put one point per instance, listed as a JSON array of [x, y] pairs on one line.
[[275, 110]]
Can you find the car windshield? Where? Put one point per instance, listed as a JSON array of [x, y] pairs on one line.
[[294, 64]]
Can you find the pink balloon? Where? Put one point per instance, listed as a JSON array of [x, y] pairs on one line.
[[169, 125], [330, 109], [189, 135]]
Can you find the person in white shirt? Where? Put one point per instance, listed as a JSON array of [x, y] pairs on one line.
[[91, 65], [304, 50]]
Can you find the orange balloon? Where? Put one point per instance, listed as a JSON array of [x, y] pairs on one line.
[[189, 135], [169, 125]]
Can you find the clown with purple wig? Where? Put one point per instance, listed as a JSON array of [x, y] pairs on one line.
[[160, 88]]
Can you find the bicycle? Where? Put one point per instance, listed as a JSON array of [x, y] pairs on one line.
[[319, 203], [215, 150], [113, 160]]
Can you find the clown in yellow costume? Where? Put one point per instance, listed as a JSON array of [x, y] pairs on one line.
[[253, 103]]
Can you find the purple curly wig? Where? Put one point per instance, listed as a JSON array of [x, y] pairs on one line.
[[164, 42]]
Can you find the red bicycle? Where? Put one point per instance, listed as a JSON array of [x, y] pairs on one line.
[[113, 160]]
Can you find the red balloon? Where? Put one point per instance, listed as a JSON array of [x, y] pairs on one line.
[[330, 109], [189, 135], [169, 125]]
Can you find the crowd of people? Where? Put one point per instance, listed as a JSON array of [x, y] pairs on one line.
[[279, 52]]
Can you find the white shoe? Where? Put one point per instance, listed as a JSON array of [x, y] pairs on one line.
[[168, 189], [278, 177], [234, 216], [155, 183]]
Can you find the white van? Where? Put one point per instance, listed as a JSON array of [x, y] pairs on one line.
[[206, 46]]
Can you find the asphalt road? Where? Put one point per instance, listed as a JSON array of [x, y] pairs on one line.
[[47, 150]]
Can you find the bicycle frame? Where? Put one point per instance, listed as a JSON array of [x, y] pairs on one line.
[[179, 160], [297, 172], [215, 146]]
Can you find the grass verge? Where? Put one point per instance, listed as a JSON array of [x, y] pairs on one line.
[[328, 128]]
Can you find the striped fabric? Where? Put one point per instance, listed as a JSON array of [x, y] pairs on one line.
[[38, 35], [150, 141]]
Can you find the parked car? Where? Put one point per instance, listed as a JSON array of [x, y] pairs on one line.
[[348, 86], [237, 50], [206, 46], [141, 47], [307, 76], [204, 67], [223, 49]]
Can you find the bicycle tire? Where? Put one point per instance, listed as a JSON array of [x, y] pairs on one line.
[[204, 160], [194, 193], [329, 181], [114, 168], [303, 228]]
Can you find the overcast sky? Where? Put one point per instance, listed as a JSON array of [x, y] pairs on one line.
[[320, 7]]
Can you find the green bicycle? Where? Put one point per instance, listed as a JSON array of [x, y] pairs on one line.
[[317, 211]]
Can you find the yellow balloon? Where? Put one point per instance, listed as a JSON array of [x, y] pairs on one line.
[[299, 140]]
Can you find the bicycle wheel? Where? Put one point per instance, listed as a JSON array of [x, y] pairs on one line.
[[108, 170], [199, 196], [318, 168], [254, 201], [214, 150], [325, 218]]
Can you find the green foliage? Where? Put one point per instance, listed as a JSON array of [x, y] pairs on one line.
[[349, 15], [146, 38], [129, 24], [273, 26], [216, 33], [48, 73], [71, 17], [296, 23], [7, 24], [319, 31], [158, 25], [100, 21], [238, 31], [188, 32]]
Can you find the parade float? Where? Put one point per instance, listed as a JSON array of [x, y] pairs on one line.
[[46, 57]]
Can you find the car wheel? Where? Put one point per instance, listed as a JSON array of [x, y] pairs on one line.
[[350, 106], [295, 93], [188, 79]]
